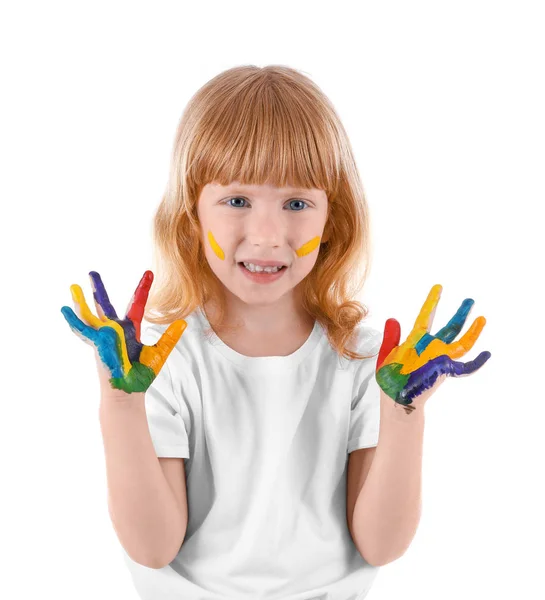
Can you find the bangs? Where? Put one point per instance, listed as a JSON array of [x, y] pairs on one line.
[[262, 132]]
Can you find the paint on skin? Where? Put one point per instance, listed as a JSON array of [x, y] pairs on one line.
[[309, 246], [405, 371], [215, 246], [132, 365], [305, 249]]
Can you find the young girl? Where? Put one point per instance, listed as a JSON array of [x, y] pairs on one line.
[[238, 443]]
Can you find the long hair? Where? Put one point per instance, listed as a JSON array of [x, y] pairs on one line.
[[262, 125]]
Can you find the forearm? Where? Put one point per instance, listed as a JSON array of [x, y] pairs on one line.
[[388, 507], [147, 520]]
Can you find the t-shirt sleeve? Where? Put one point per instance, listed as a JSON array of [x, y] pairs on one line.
[[365, 406], [167, 411]]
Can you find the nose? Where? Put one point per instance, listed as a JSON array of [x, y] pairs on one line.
[[266, 228]]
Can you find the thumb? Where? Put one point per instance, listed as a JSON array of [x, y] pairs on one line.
[[392, 334]]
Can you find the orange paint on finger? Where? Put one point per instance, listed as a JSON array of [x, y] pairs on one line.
[[154, 357]]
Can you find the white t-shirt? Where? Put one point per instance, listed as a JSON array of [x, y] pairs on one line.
[[266, 442]]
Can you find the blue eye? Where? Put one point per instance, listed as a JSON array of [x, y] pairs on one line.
[[228, 201]]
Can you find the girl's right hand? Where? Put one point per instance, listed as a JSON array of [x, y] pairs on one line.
[[126, 365]]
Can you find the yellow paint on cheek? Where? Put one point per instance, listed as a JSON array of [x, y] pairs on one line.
[[309, 246], [215, 246]]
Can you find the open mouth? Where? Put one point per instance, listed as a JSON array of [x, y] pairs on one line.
[[276, 270], [262, 276]]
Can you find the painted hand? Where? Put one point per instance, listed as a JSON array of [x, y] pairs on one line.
[[131, 365], [417, 367]]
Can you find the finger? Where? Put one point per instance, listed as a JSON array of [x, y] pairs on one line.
[[77, 310], [425, 377], [454, 350], [102, 302], [467, 341], [83, 308], [449, 332], [82, 330], [392, 334], [104, 343], [137, 305], [456, 324], [424, 320], [155, 356], [110, 352], [471, 365], [79, 298], [115, 352]]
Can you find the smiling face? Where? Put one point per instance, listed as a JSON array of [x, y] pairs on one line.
[[261, 224]]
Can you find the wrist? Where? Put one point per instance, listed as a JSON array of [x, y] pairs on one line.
[[392, 411]]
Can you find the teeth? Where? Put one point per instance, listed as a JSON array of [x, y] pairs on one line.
[[258, 269]]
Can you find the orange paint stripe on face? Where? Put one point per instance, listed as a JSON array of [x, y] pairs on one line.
[[215, 246], [309, 246]]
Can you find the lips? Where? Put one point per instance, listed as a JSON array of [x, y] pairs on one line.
[[278, 268], [262, 276], [263, 263]]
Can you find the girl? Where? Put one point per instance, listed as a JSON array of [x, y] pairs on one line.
[[239, 443]]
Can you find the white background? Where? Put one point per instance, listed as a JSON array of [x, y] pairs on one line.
[[444, 106]]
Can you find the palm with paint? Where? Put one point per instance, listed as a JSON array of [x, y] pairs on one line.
[[406, 371], [131, 365]]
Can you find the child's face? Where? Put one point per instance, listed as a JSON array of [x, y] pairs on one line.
[[261, 222]]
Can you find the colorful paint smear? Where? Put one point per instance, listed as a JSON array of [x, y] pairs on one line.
[[133, 365], [404, 371]]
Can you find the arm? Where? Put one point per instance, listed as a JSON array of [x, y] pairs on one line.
[[149, 516], [388, 505]]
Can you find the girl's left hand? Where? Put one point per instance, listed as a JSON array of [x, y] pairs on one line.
[[416, 368]]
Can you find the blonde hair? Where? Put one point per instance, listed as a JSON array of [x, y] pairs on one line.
[[262, 125]]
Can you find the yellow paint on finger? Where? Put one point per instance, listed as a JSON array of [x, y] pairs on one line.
[[425, 317], [309, 246], [215, 246], [93, 321]]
